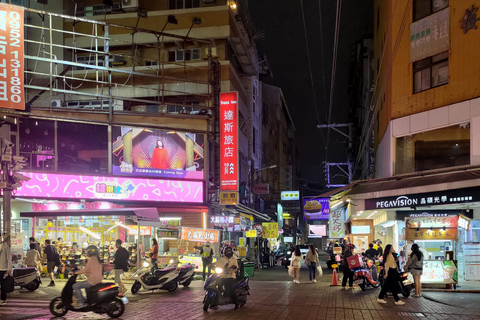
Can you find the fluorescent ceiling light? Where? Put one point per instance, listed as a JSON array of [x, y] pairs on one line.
[[124, 226], [90, 232], [171, 218]]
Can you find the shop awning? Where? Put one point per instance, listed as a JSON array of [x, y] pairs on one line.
[[142, 214]]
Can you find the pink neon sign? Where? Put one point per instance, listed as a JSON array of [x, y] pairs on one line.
[[65, 186]]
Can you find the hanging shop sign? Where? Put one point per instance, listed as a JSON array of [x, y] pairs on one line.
[[242, 251], [144, 231], [270, 230], [290, 195], [68, 186], [454, 196], [228, 141], [169, 223], [229, 198], [316, 208], [431, 234], [336, 224], [430, 35], [439, 271], [261, 188], [431, 222], [11, 57], [198, 234], [464, 222], [222, 221], [251, 233], [291, 206], [165, 233]]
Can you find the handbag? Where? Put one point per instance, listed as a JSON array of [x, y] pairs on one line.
[[290, 271], [319, 272], [308, 262], [8, 284]]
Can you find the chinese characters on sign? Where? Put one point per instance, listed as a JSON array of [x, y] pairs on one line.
[[251, 233], [229, 198], [431, 234], [11, 57], [223, 221], [427, 222], [228, 141], [337, 224], [469, 20], [430, 35], [464, 222], [202, 235], [167, 233], [270, 230], [439, 271]]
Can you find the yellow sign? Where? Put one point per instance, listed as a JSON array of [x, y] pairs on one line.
[[242, 241], [229, 198], [464, 222], [251, 233], [431, 234], [287, 216], [242, 251], [270, 230]]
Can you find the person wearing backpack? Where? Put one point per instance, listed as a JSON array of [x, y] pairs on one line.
[[120, 265], [49, 254], [5, 268]]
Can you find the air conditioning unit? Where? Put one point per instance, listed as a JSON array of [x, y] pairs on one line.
[[56, 103], [129, 4]]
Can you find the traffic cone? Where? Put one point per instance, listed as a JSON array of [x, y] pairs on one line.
[[334, 278]]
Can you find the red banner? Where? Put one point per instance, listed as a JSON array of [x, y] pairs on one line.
[[11, 57], [228, 141]]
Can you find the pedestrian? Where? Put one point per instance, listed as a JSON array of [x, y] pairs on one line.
[[49, 257], [37, 245], [120, 264], [207, 258], [391, 276], [33, 258], [347, 273], [311, 260], [415, 266], [380, 248], [154, 253], [371, 253], [5, 268], [93, 272], [296, 263]]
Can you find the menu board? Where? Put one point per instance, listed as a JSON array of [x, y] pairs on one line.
[[439, 271], [471, 252]]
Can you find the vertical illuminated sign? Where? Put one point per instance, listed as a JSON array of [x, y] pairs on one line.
[[11, 57], [228, 141]]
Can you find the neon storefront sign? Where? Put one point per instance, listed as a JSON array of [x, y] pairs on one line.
[[66, 186]]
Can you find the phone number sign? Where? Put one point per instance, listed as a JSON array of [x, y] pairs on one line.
[[11, 57]]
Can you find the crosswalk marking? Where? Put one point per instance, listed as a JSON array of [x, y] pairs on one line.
[[23, 303]]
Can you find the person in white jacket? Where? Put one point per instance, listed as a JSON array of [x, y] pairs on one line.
[[296, 263], [5, 267]]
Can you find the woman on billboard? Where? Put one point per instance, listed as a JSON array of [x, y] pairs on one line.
[[160, 158]]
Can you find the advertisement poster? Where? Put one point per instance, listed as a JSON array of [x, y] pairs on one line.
[[198, 234], [270, 230], [157, 153], [317, 231], [316, 208], [337, 224], [361, 243], [228, 141], [16, 243], [439, 271]]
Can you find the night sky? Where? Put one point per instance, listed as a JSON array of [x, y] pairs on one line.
[[286, 50]]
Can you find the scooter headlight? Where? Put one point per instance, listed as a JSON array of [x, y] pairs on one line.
[[218, 270], [171, 260], [289, 252], [145, 264]]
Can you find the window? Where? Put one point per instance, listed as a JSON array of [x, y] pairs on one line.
[[184, 4], [181, 55], [149, 63], [423, 8], [430, 72]]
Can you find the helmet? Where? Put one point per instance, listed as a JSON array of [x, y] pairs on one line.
[[227, 249], [92, 250], [207, 243]]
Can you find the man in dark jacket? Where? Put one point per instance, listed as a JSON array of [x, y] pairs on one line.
[[49, 256], [347, 273], [120, 264], [371, 253], [380, 248]]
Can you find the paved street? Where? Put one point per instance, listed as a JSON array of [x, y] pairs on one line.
[[268, 300]]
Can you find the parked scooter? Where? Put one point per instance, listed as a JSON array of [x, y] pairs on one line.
[[165, 279], [102, 298], [214, 295], [28, 278], [186, 274], [405, 286], [367, 276]]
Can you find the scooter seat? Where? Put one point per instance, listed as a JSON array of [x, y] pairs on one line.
[[161, 272], [22, 271]]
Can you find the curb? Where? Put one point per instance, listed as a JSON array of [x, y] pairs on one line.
[[451, 290]]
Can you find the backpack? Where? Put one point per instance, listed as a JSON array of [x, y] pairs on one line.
[[56, 258]]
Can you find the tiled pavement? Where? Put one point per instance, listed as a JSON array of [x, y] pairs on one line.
[[268, 300]]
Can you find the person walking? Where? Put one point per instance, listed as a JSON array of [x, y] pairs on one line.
[[154, 253], [5, 268], [49, 257], [33, 258], [93, 271], [347, 273], [415, 266], [120, 265], [391, 276], [207, 258], [296, 263], [311, 260]]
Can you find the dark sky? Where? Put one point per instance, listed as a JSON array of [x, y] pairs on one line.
[[286, 50]]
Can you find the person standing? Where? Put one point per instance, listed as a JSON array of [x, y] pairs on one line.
[[160, 158], [120, 264], [207, 258], [415, 264], [93, 271], [154, 253], [32, 258], [391, 276], [49, 257], [371, 253], [347, 273], [5, 268], [296, 263], [380, 248], [311, 260]]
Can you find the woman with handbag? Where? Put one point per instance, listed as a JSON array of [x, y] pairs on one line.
[[391, 276], [311, 260], [415, 266], [5, 268], [296, 263]]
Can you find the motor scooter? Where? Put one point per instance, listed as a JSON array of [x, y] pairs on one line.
[[215, 293], [404, 286], [367, 276], [165, 279], [185, 277], [102, 298], [28, 278]]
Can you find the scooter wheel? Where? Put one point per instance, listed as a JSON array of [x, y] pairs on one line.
[[207, 303], [57, 308], [362, 286], [187, 283], [32, 286], [174, 287], [136, 287], [405, 292], [116, 308]]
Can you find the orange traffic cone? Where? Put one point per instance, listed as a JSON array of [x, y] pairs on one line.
[[334, 277]]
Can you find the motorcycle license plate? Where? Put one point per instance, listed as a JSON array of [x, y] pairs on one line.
[[124, 300], [407, 282]]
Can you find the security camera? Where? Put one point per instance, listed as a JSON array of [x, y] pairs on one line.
[[8, 143]]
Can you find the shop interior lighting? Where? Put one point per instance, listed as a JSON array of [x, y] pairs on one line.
[[90, 233], [112, 227], [171, 218], [124, 226], [371, 214], [204, 216]]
